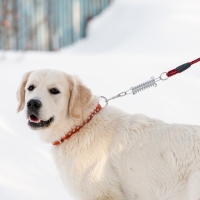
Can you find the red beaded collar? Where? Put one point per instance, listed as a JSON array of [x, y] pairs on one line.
[[73, 131]]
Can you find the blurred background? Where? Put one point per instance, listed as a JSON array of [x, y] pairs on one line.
[[45, 24], [111, 45], [127, 26]]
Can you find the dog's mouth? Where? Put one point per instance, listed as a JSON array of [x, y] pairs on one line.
[[35, 122]]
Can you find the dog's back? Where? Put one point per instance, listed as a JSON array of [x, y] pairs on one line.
[[160, 161]]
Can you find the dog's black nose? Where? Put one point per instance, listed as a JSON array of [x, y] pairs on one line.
[[34, 104]]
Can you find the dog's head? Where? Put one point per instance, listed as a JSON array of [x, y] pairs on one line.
[[50, 96]]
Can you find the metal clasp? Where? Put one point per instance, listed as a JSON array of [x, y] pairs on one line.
[[161, 77]]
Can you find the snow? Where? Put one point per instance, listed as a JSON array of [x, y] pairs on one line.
[[126, 45]]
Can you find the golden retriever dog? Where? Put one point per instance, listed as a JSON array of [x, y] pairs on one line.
[[105, 153]]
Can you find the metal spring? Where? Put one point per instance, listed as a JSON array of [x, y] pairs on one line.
[[143, 86]]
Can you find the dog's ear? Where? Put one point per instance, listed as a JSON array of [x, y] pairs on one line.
[[21, 92], [80, 96]]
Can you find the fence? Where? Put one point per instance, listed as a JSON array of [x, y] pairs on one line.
[[45, 24]]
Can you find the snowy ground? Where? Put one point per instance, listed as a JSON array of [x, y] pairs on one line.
[[130, 42]]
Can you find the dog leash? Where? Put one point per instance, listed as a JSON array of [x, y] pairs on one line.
[[153, 81]]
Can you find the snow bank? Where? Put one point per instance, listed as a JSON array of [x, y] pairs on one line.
[[145, 27]]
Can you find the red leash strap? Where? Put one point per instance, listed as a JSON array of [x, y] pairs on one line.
[[181, 68], [194, 61]]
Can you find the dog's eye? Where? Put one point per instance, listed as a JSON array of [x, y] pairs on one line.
[[54, 91], [31, 87]]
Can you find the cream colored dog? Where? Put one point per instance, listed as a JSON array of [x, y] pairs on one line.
[[110, 154]]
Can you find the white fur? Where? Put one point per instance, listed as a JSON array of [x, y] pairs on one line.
[[116, 156]]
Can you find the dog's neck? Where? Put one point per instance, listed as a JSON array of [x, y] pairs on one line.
[[77, 128], [58, 131]]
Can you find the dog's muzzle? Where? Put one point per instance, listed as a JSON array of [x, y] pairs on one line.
[[33, 107]]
